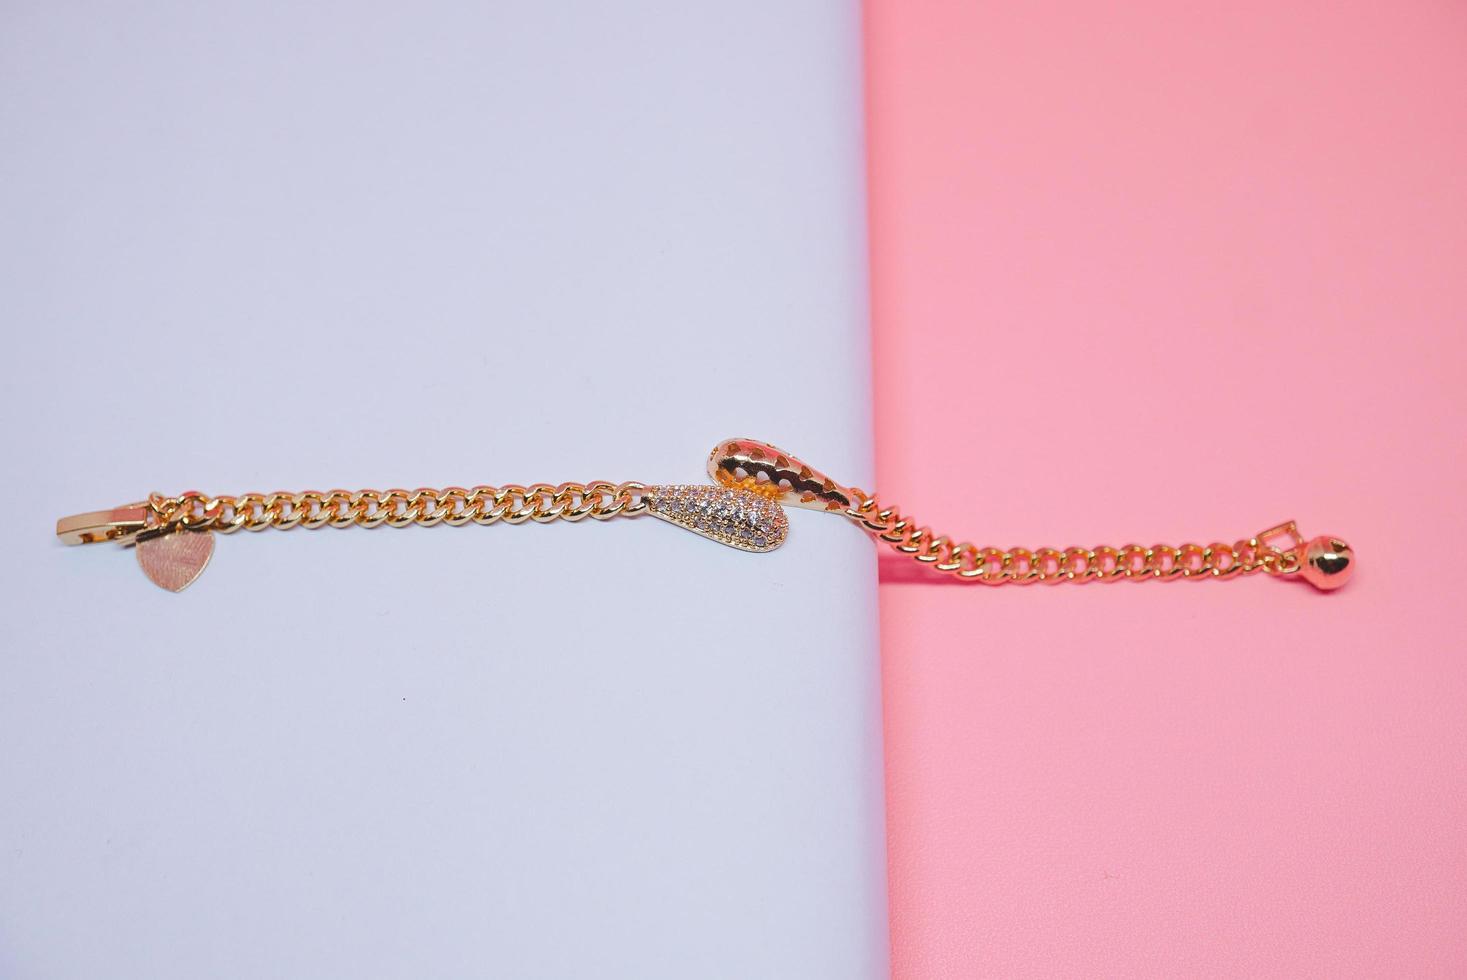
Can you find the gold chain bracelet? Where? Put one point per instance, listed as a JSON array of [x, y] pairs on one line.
[[742, 508]]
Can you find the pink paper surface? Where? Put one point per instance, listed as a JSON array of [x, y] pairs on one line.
[[1162, 273]]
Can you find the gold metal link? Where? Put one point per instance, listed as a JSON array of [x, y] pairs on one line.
[[539, 502], [1021, 566], [771, 476]]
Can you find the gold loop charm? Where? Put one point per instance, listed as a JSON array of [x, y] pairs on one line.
[[748, 464]]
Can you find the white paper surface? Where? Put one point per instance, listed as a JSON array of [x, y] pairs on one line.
[[261, 246]]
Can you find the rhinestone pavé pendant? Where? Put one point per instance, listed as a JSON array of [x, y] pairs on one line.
[[742, 519]]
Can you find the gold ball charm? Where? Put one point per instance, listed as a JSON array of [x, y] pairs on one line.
[[1327, 563]]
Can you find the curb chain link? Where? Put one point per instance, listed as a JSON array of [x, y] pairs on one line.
[[513, 504], [602, 500], [1103, 563]]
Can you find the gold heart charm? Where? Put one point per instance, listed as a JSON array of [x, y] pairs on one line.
[[175, 558]]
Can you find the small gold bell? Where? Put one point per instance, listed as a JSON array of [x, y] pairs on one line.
[[1327, 563]]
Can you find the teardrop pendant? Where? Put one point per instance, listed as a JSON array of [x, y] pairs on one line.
[[742, 519]]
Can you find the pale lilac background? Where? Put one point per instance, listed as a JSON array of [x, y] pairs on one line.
[[384, 244], [1163, 273]]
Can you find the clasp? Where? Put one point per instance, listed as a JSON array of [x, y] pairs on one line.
[[1288, 529], [120, 524]]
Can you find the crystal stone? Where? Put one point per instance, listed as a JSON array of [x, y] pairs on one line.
[[741, 519]]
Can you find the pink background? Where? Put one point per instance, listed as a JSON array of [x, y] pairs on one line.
[[1163, 273]]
